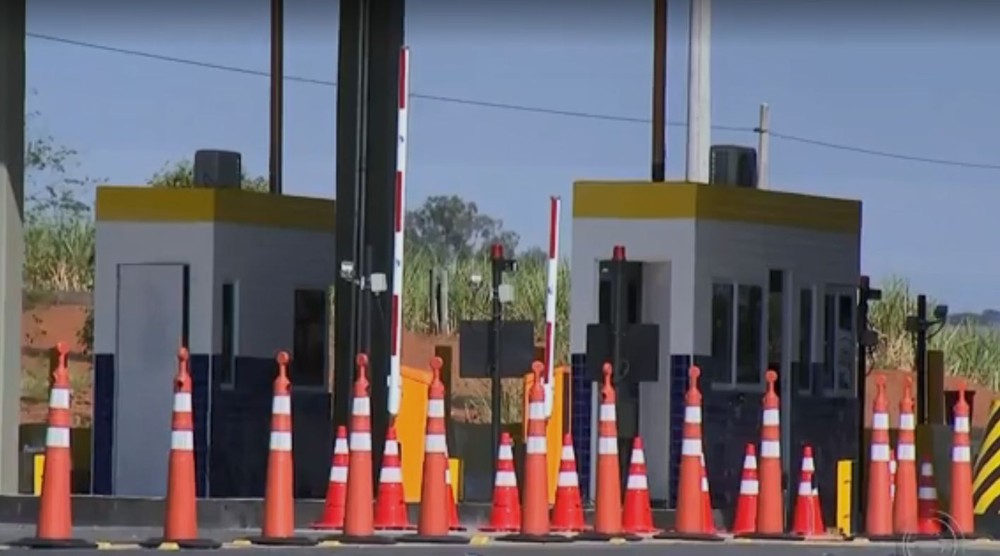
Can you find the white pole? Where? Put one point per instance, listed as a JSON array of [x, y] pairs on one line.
[[699, 137], [402, 120], [764, 147], [550, 304]]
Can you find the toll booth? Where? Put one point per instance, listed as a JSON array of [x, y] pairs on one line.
[[236, 276], [738, 280]]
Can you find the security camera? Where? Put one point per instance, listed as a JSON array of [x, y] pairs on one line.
[[378, 283], [347, 270], [476, 279], [941, 313]]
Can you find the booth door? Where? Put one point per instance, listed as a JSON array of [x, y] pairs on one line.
[[150, 329]]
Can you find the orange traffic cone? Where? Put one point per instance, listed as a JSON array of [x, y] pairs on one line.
[[745, 520], [279, 496], [638, 516], [433, 525], [878, 520], [180, 527], [892, 481], [961, 507], [818, 523], [535, 513], [708, 517], [804, 520], [390, 503], [55, 518], [608, 499], [567, 514], [904, 499], [928, 516], [454, 523], [770, 500], [690, 521], [336, 492], [506, 513], [359, 519]]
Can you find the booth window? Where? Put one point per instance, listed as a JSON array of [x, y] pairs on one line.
[[737, 331], [227, 371], [309, 338], [775, 319], [839, 340], [804, 370]]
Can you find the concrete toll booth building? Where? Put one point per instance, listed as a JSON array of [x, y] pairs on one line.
[[235, 276], [739, 280]]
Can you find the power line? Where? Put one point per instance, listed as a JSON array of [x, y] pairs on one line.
[[518, 107]]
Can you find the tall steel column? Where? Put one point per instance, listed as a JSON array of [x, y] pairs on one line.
[[12, 62], [371, 34]]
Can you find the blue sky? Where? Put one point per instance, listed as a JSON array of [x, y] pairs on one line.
[[835, 72]]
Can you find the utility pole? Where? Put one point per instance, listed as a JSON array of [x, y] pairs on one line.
[[277, 95], [764, 146], [867, 340], [659, 158], [699, 119], [920, 326]]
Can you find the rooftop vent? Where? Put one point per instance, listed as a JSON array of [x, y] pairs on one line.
[[732, 165], [220, 169]]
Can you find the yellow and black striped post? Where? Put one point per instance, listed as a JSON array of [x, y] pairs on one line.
[[986, 485]]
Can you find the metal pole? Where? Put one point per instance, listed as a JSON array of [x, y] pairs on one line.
[[617, 307], [277, 94], [366, 300], [921, 359], [764, 147], [493, 352], [699, 119], [857, 492], [659, 90]]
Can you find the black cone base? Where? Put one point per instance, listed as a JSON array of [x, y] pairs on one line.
[[283, 541], [594, 536], [53, 544], [185, 544], [678, 536], [541, 539], [433, 539], [457, 528], [361, 539], [770, 536]]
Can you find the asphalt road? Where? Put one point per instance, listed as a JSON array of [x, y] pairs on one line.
[[123, 541]]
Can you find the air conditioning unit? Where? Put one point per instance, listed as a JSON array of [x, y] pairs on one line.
[[220, 169], [732, 165]]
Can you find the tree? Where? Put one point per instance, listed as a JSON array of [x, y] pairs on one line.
[[450, 228], [181, 174]]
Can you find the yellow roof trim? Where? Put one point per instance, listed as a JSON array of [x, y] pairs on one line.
[[231, 206], [679, 200]]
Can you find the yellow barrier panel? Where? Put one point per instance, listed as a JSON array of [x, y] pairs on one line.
[[455, 465], [410, 425], [845, 479], [986, 485], [38, 470]]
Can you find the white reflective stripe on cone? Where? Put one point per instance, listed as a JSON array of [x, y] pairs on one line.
[[182, 402], [749, 487], [638, 457], [961, 424], [961, 454], [880, 452], [536, 445], [906, 452], [907, 422], [341, 446], [926, 470], [536, 411], [362, 406], [182, 441], [749, 462], [608, 412], [805, 489], [59, 398], [637, 482], [391, 475], [435, 409], [506, 479], [704, 484], [338, 474], [772, 418], [807, 464], [567, 454], [281, 441], [880, 421], [57, 437], [927, 493], [435, 444], [607, 446], [690, 447], [567, 479], [770, 449], [282, 405], [692, 414], [505, 453], [391, 448], [361, 442]]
